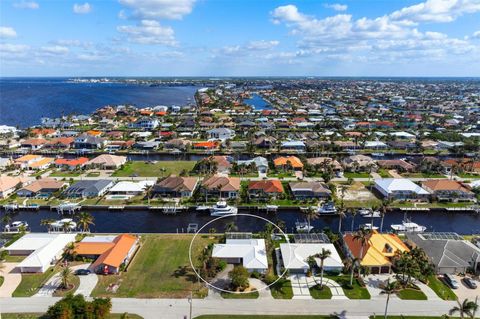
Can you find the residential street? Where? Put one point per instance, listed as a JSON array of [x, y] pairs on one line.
[[179, 308]]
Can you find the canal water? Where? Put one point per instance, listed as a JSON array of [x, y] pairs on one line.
[[258, 103], [157, 222]]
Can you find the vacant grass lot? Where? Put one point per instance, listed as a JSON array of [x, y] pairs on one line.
[[160, 269], [160, 168], [441, 289], [31, 283], [411, 294]]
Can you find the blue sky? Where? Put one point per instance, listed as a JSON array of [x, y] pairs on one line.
[[239, 38]]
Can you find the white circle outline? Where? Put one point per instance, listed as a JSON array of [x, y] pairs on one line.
[[232, 215]]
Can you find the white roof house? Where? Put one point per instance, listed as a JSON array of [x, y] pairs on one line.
[[43, 249], [295, 257], [251, 253], [405, 135], [126, 187], [399, 188]]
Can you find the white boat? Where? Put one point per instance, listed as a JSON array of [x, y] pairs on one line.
[[368, 226], [202, 208], [59, 225], [327, 208], [221, 209], [370, 214], [378, 154], [408, 227], [16, 225], [271, 208], [303, 227]]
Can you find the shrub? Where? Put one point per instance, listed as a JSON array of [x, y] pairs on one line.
[[270, 278], [255, 274]]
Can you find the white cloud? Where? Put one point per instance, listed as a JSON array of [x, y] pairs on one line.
[[159, 9], [437, 10], [32, 5], [55, 49], [82, 8], [7, 32], [476, 34], [73, 43], [262, 45], [336, 6], [13, 48], [149, 32]]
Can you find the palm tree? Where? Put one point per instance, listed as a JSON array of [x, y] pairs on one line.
[[388, 288], [230, 227], [65, 276], [67, 226], [47, 222], [353, 212], [6, 219], [324, 254], [85, 220], [467, 307], [312, 214], [362, 235], [341, 216], [383, 211], [351, 264]]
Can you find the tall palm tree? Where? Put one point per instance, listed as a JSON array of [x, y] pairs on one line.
[[353, 212], [324, 254], [65, 276], [388, 288], [48, 223], [67, 226], [341, 216], [6, 219], [467, 307], [312, 214], [351, 264], [85, 220], [362, 235], [383, 211]]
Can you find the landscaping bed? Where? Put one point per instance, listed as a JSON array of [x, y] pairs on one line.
[[318, 292]]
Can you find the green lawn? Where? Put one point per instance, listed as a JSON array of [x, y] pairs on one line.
[[40, 316], [412, 317], [411, 294], [356, 291], [261, 317], [468, 175], [282, 289], [251, 295], [424, 175], [160, 168], [31, 283], [356, 175], [75, 281], [442, 290], [383, 173], [320, 293], [160, 269], [66, 174]]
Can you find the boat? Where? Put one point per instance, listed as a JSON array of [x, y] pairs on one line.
[[59, 225], [303, 227], [327, 208], [221, 209], [378, 154], [367, 213], [368, 226], [408, 227], [271, 208], [16, 225], [202, 208]]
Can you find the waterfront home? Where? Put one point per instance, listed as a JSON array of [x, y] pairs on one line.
[[44, 187], [221, 133], [178, 144], [402, 135], [176, 186], [296, 146], [43, 132], [128, 188], [217, 163], [265, 189], [107, 161], [147, 145], [399, 165], [295, 257], [31, 161], [145, 123], [308, 190], [9, 184], [42, 250], [448, 190], [377, 252], [251, 253], [33, 143], [400, 189], [265, 141], [111, 253], [89, 188], [358, 162], [71, 164], [261, 163], [221, 186], [209, 145], [288, 162], [325, 163], [60, 143], [86, 141], [448, 252]]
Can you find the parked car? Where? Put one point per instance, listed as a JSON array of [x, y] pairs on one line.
[[469, 283], [451, 281], [82, 272]]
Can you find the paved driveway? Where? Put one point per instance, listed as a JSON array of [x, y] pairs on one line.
[[53, 283], [11, 279], [300, 286], [373, 284], [463, 292]]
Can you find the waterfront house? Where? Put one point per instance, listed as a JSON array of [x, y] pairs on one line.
[[209, 145], [324, 163], [399, 165], [89, 188], [44, 187], [86, 141], [129, 188], [33, 162], [448, 252], [178, 144], [221, 186], [42, 250], [111, 253], [265, 189], [221, 133], [400, 189], [251, 253], [295, 146], [33, 143], [448, 190], [288, 162], [60, 143], [308, 190], [261, 163], [265, 141], [358, 162], [176, 186], [378, 251], [9, 184], [71, 164], [107, 161], [145, 123], [295, 257]]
